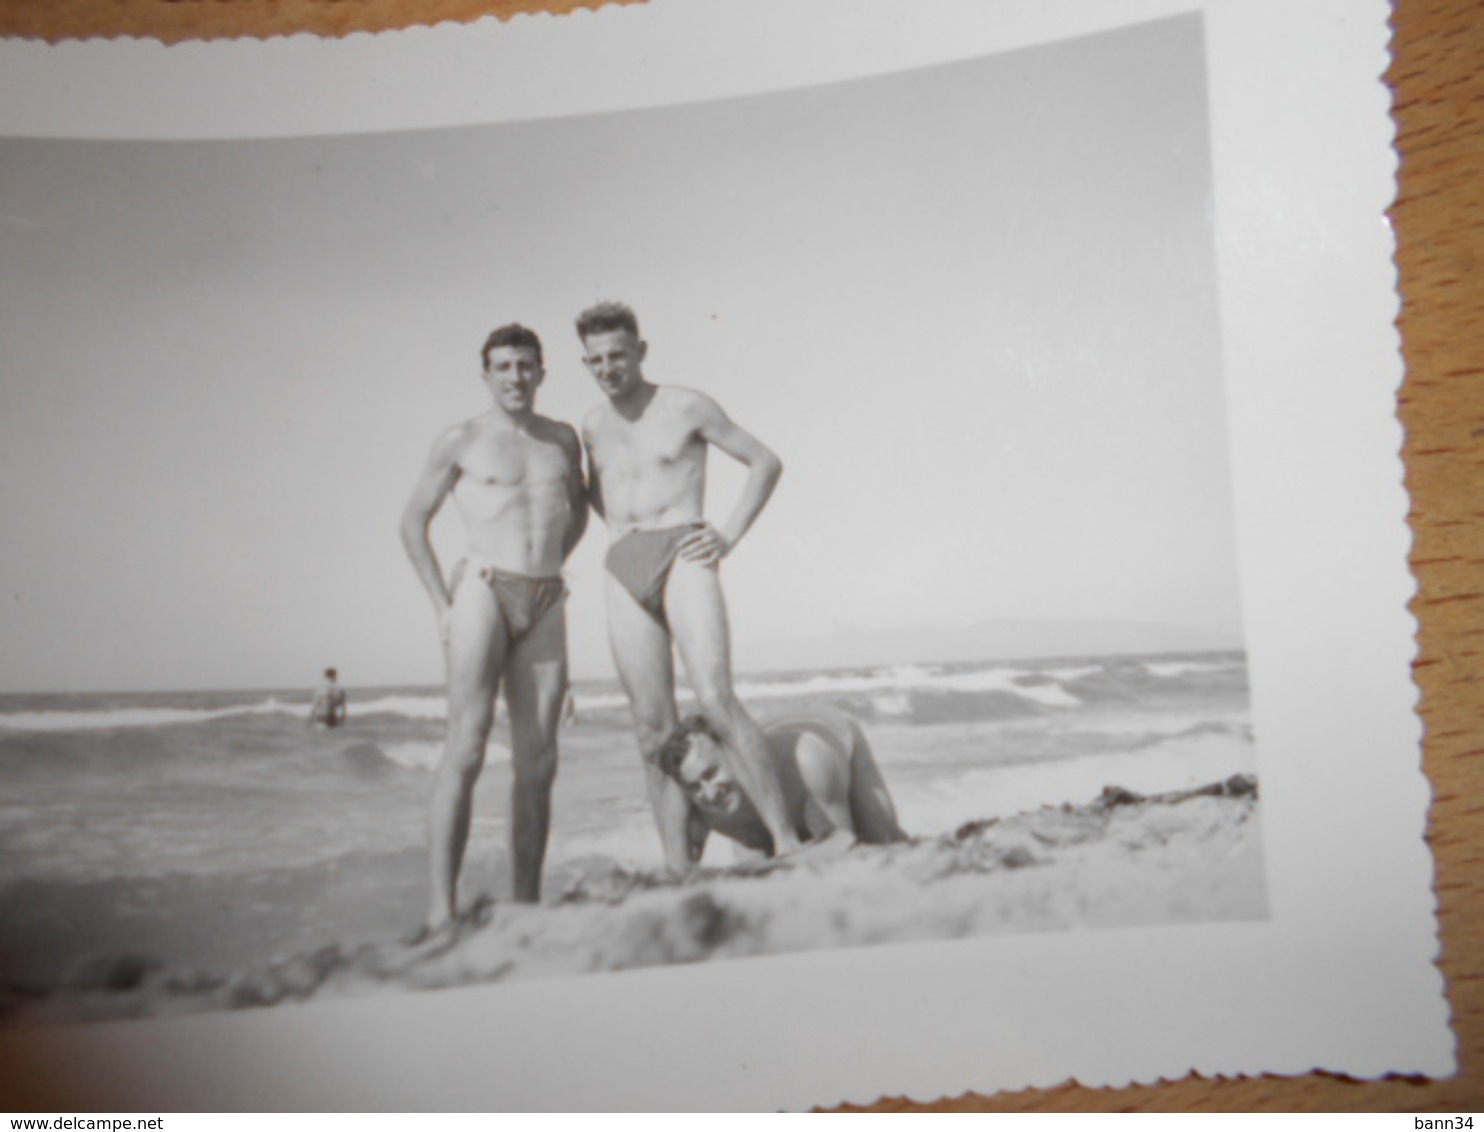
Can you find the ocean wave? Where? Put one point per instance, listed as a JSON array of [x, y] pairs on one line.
[[932, 707], [1172, 669], [427, 755], [895, 689], [824, 683], [1068, 674], [892, 703], [1041, 687], [434, 707], [104, 720]]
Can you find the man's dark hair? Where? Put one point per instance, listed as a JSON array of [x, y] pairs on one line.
[[513, 335], [677, 744], [330, 674], [607, 317]]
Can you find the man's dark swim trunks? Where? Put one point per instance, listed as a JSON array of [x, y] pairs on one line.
[[327, 707], [641, 561], [523, 601]]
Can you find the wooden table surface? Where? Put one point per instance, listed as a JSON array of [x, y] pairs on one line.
[[1438, 79]]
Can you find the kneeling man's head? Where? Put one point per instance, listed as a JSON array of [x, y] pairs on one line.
[[692, 756]]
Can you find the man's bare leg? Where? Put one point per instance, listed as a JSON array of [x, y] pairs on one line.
[[824, 769], [698, 620], [535, 686], [476, 654], [871, 806], [641, 653]]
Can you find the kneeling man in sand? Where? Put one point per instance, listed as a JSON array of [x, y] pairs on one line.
[[517, 479], [832, 787]]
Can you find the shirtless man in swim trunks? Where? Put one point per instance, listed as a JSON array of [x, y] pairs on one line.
[[517, 479], [831, 784], [647, 448]]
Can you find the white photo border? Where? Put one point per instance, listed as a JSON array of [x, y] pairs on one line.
[[1341, 978]]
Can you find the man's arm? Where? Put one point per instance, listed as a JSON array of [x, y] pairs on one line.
[[763, 470], [825, 771], [594, 485], [433, 485], [696, 832], [577, 494]]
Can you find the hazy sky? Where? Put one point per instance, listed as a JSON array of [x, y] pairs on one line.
[[973, 308]]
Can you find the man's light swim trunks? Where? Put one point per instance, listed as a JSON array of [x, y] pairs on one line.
[[641, 561], [523, 601]]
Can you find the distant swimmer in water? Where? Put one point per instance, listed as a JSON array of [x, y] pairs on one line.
[[517, 479], [328, 709], [832, 787]]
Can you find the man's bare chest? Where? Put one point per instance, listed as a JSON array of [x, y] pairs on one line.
[[629, 447], [506, 462]]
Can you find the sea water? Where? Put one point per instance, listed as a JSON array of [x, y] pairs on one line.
[[215, 831], [94, 787]]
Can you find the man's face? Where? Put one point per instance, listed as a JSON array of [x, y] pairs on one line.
[[703, 776], [615, 358], [513, 375]]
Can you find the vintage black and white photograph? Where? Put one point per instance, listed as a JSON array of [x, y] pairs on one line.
[[817, 524], [798, 523]]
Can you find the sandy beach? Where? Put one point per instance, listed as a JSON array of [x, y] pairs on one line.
[[1124, 858]]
